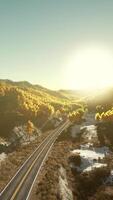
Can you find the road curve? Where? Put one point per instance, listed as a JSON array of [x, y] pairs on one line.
[[20, 185]]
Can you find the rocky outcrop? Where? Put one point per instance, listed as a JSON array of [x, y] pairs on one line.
[[65, 192]]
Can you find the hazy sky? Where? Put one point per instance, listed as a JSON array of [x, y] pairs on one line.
[[38, 36]]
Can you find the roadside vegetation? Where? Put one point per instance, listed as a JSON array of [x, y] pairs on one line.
[[105, 127], [34, 106], [16, 158], [77, 116], [106, 116], [84, 186], [25, 107]]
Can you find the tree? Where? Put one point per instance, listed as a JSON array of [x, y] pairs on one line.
[[97, 117], [29, 128], [105, 116], [99, 109], [76, 116]]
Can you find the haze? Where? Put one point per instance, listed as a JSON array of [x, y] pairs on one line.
[[40, 42]]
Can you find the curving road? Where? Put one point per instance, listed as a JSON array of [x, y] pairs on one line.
[[21, 184]]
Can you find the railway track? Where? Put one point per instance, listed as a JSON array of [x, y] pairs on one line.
[[20, 186]]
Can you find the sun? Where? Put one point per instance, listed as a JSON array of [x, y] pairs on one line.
[[88, 68]]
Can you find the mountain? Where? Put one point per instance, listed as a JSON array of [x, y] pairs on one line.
[[22, 101], [25, 85]]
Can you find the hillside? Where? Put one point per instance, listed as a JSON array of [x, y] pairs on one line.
[[35, 88], [92, 97], [22, 101]]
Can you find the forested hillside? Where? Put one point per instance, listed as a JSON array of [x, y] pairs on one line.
[[22, 101]]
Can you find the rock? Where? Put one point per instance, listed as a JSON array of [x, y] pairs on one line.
[[64, 192]]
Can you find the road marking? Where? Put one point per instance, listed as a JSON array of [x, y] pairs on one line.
[[25, 163], [30, 168], [39, 170], [28, 196], [26, 174]]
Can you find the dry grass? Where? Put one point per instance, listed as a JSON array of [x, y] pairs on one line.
[[46, 186], [15, 159], [88, 186]]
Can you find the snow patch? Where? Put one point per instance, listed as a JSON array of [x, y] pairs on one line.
[[3, 142], [91, 157], [3, 156], [90, 132], [90, 121], [64, 191], [95, 165]]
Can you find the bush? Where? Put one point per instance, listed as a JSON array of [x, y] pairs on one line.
[[103, 196], [87, 183], [75, 159]]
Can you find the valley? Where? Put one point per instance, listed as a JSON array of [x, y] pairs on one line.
[[79, 165]]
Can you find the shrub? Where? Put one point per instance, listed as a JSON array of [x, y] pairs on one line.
[[87, 183], [75, 159]]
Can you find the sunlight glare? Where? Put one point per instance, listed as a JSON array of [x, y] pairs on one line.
[[89, 68]]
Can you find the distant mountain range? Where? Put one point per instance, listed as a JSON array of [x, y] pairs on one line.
[[91, 94]]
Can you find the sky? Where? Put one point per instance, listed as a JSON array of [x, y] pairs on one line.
[[38, 37]]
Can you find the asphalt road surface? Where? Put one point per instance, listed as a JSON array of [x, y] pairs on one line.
[[20, 185]]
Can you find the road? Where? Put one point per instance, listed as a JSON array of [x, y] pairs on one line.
[[21, 184]]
